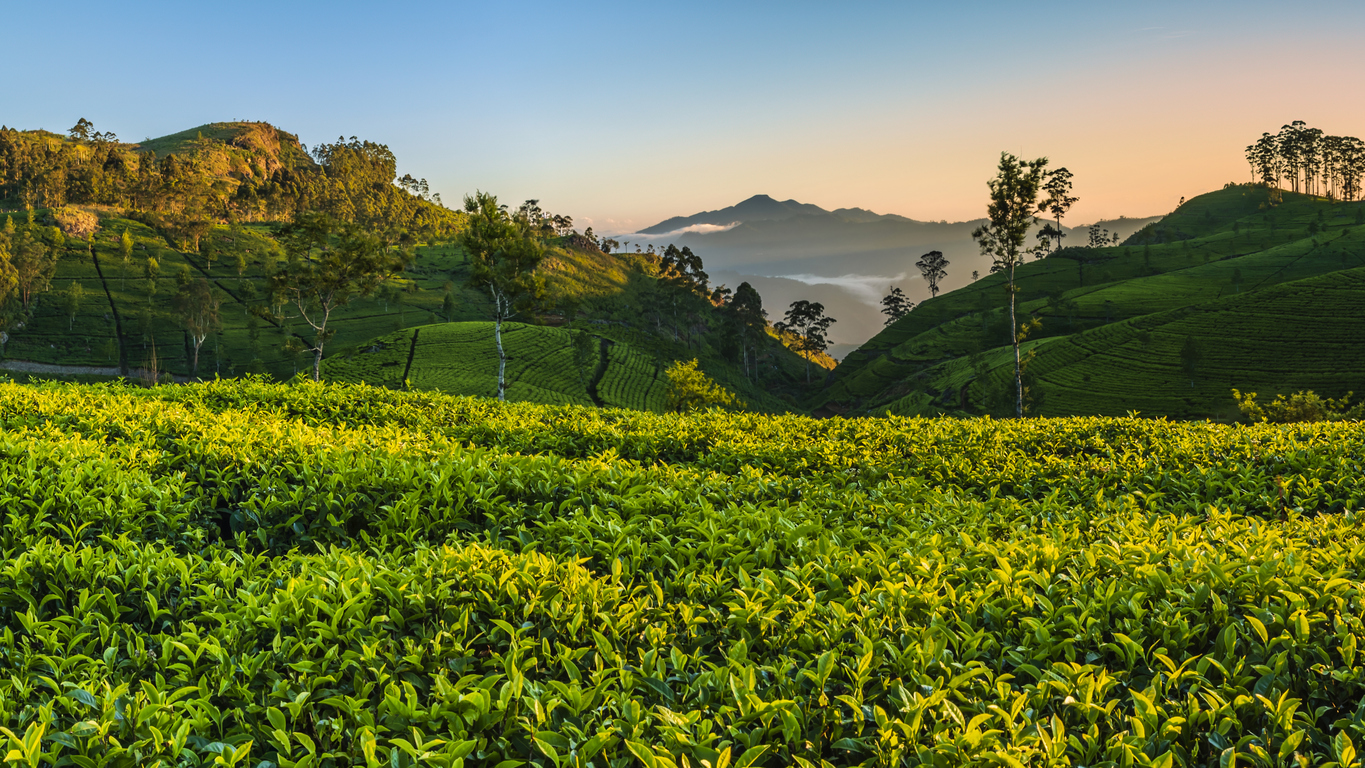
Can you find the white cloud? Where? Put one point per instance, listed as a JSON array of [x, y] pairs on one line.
[[698, 229], [868, 289]]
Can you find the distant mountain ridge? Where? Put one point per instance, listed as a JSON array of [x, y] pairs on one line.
[[763, 208]]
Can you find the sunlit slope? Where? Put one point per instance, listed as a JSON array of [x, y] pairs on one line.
[[1236, 244], [544, 365]]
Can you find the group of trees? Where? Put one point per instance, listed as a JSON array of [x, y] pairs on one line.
[[184, 193], [1310, 161]]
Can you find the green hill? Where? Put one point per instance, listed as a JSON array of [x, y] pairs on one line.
[[210, 208], [1220, 261]]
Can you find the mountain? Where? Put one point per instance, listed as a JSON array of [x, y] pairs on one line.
[[1244, 288], [847, 259], [756, 208]]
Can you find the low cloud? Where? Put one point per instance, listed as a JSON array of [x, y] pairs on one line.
[[868, 289], [696, 229]]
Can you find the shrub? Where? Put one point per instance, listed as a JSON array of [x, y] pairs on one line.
[[692, 390], [1298, 407]]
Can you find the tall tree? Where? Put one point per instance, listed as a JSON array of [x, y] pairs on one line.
[[329, 263], [504, 254], [895, 305], [1013, 203], [745, 310], [71, 302], [34, 265], [806, 320], [197, 307], [125, 249], [1058, 201], [684, 281], [933, 267]]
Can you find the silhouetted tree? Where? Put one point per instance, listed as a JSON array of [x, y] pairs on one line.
[[895, 305], [806, 320], [1058, 201], [933, 267]]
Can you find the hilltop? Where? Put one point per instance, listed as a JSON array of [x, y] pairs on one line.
[[1246, 287]]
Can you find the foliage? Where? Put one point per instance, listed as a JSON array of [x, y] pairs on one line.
[[504, 253], [75, 222], [895, 305], [806, 321], [933, 267], [198, 311], [1299, 407], [330, 263], [691, 390], [343, 575], [1010, 214]]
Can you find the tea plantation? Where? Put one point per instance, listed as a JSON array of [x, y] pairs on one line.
[[242, 573], [1264, 286]]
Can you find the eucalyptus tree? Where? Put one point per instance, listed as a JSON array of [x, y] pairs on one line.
[[504, 255], [1010, 214], [895, 305], [197, 308], [745, 312], [806, 320], [329, 263], [1058, 201], [934, 267]]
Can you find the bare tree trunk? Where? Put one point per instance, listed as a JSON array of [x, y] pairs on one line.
[[502, 358], [1018, 368]]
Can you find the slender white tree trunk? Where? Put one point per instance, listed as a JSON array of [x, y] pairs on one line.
[[499, 311], [1018, 368]]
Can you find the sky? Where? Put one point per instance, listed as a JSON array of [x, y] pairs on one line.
[[624, 114]]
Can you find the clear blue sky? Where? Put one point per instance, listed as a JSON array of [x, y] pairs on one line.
[[622, 114]]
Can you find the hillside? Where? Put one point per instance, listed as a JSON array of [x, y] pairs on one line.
[[219, 570], [1260, 283], [95, 314]]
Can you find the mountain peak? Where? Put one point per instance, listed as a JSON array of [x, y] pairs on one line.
[[756, 208]]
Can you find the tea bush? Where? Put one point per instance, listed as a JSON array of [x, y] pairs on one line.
[[240, 573]]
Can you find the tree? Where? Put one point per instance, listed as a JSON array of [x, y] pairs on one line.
[[125, 249], [71, 302], [745, 311], [1190, 356], [150, 272], [895, 305], [197, 307], [504, 255], [329, 263], [1058, 201], [81, 130], [34, 265], [1010, 214], [934, 268], [806, 320], [683, 280], [689, 389]]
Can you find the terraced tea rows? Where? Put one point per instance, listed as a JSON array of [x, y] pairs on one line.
[[337, 575]]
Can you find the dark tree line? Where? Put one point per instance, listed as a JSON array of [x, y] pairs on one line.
[[1309, 161]]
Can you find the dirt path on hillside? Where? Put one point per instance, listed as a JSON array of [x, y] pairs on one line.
[[24, 366]]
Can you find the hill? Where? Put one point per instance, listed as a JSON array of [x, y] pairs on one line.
[[405, 579], [210, 209], [1243, 273]]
